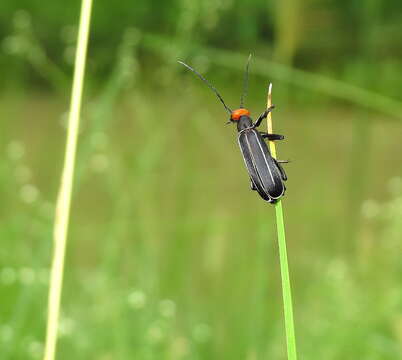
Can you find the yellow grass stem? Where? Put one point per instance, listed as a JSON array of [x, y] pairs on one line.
[[66, 185], [283, 258]]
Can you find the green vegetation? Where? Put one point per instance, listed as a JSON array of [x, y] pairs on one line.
[[170, 255]]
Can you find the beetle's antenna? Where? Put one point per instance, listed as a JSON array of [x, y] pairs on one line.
[[245, 83], [208, 83]]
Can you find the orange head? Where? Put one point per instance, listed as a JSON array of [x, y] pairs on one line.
[[236, 114]]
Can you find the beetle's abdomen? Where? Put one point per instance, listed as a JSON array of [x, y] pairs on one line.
[[260, 165]]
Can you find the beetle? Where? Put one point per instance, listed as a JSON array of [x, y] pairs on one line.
[[267, 176]]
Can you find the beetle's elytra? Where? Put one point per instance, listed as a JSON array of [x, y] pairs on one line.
[[266, 174]]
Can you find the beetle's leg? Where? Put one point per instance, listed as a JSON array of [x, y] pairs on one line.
[[282, 171], [283, 161], [271, 137], [263, 116]]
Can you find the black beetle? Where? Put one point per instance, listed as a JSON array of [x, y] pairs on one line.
[[266, 173]]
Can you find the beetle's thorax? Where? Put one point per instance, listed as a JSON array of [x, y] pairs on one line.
[[244, 123]]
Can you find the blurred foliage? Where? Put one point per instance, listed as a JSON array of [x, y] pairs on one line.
[[171, 256], [349, 40]]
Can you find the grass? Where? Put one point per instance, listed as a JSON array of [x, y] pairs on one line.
[[136, 244], [66, 186], [170, 255], [283, 258], [318, 83]]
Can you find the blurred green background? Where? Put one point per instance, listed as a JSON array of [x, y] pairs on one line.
[[170, 255]]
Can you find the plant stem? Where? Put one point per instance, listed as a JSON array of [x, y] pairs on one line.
[[283, 258], [64, 197], [306, 80]]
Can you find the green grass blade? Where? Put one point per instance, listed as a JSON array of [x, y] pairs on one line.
[[286, 289], [283, 258]]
